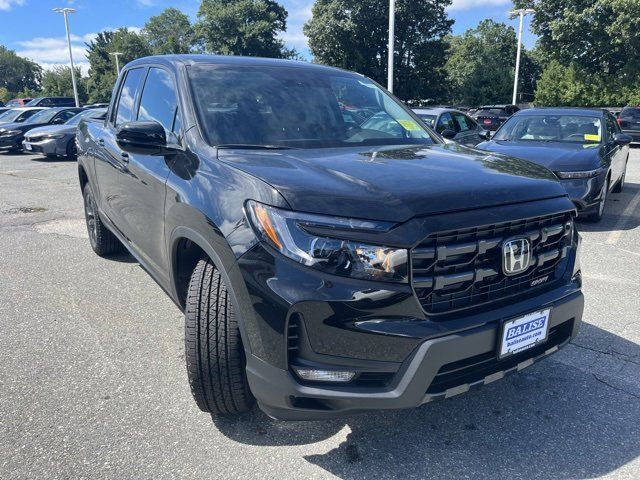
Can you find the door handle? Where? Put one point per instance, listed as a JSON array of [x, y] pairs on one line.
[[101, 142], [124, 156]]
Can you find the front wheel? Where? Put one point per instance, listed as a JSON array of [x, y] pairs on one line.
[[620, 185], [216, 364], [599, 213], [103, 242]]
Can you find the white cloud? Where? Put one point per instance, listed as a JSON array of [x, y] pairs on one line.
[[8, 4], [50, 52], [299, 14], [469, 4]]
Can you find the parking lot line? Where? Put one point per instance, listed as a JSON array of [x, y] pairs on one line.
[[616, 233]]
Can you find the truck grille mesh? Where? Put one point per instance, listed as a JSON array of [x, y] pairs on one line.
[[462, 269]]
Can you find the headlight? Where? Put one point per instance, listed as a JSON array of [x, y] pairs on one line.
[[285, 231], [580, 174], [10, 133], [53, 135]]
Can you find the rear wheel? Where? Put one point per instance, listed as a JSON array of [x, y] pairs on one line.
[[213, 348], [103, 242]]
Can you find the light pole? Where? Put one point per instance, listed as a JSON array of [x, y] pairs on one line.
[[117, 54], [392, 27], [66, 11], [521, 12]]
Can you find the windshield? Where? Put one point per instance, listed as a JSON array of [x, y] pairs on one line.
[[43, 116], [10, 115], [298, 107], [428, 119], [97, 113], [551, 128]]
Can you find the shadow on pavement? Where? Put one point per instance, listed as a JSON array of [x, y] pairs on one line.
[[616, 205], [553, 420], [45, 159]]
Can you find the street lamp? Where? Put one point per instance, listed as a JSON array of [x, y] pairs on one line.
[[392, 27], [519, 12], [117, 54], [66, 11]]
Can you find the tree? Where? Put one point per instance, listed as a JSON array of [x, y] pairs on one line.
[[481, 64], [562, 86], [598, 36], [352, 34], [58, 82], [169, 32], [18, 74], [243, 27], [102, 70]]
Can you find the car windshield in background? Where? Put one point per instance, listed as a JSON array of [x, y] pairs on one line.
[[10, 115], [631, 113], [428, 119], [88, 114], [43, 116], [551, 128], [301, 108]]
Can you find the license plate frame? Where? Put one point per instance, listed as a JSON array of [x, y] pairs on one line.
[[534, 330]]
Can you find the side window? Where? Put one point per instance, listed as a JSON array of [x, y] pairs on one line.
[[463, 122], [46, 102], [445, 122], [159, 101], [611, 129], [126, 101], [26, 114], [65, 115]]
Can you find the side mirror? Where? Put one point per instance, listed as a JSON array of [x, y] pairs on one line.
[[485, 134], [448, 134], [623, 139], [58, 121], [142, 137]]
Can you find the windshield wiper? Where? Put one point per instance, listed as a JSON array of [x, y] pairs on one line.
[[254, 147]]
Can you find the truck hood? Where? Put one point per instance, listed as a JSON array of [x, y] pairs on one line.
[[395, 183], [556, 156]]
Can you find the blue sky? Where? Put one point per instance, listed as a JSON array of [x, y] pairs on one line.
[[31, 28]]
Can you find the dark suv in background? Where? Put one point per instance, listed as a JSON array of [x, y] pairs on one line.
[[52, 102], [629, 121], [330, 253], [490, 117]]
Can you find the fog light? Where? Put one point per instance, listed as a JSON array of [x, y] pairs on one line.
[[324, 375]]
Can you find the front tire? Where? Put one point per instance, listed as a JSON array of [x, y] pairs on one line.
[[620, 185], [599, 213], [103, 242], [216, 364]]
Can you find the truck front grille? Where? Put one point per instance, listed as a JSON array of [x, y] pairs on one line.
[[462, 269]]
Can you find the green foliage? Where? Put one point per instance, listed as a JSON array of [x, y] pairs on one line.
[[353, 34], [592, 47], [57, 82], [102, 71], [169, 32], [481, 64], [243, 27], [18, 74]]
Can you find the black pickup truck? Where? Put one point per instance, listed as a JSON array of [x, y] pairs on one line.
[[331, 253]]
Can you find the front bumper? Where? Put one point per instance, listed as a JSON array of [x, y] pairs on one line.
[[10, 142], [438, 368], [46, 147]]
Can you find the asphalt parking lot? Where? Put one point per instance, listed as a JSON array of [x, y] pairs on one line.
[[93, 381]]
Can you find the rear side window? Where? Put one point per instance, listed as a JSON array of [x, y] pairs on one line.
[[159, 100], [126, 101], [464, 122]]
